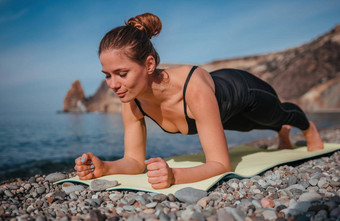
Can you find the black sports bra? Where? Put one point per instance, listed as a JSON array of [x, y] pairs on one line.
[[191, 122]]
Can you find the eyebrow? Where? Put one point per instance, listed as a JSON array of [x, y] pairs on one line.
[[116, 70]]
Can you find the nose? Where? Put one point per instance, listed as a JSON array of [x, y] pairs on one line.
[[113, 83]]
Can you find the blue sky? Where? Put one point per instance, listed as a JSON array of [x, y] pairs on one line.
[[46, 45]]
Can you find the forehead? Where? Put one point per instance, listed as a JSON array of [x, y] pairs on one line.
[[113, 56]]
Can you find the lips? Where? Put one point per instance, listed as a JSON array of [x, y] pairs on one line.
[[121, 94]]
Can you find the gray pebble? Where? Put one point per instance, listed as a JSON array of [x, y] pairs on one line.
[[302, 206], [151, 205], [31, 180], [223, 214], [73, 196], [335, 212], [313, 182], [164, 217], [197, 216], [101, 184], [190, 195], [129, 208], [8, 193], [310, 196], [159, 197], [323, 183], [13, 187], [292, 180], [40, 218], [73, 188], [27, 186], [41, 190], [238, 215], [269, 214], [54, 177], [171, 197]]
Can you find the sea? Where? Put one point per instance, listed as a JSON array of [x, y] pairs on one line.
[[42, 143]]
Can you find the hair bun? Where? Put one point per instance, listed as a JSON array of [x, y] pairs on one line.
[[147, 22]]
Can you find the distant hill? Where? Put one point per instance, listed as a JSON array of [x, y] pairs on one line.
[[308, 75]]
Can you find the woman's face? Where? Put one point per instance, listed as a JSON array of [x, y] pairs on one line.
[[125, 77]]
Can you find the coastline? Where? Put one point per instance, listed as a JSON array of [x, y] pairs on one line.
[[304, 191]]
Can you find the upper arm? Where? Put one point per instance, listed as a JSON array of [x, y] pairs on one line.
[[134, 132], [202, 103]]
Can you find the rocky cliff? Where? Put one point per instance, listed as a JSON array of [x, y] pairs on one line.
[[308, 75]]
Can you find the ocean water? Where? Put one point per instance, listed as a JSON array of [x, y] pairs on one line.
[[33, 143]]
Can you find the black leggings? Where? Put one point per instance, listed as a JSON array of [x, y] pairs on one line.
[[263, 109]]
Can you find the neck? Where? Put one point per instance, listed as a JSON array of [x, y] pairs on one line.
[[158, 83]]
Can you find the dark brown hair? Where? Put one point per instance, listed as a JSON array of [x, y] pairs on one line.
[[134, 38]]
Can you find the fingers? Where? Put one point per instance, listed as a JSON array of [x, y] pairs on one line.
[[159, 173], [80, 168], [155, 163], [84, 159], [85, 175]]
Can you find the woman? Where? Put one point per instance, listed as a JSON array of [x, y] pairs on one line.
[[183, 100]]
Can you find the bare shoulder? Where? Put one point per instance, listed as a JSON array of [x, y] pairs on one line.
[[200, 80], [131, 111]]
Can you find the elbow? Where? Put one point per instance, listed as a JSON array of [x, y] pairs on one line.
[[225, 167]]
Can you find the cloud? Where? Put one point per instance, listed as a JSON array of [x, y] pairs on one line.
[[13, 16]]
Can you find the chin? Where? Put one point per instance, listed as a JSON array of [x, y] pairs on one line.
[[126, 99]]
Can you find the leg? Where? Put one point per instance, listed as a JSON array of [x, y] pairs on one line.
[[284, 141], [314, 141], [270, 113]]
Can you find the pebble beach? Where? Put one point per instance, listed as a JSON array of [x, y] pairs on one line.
[[308, 190]]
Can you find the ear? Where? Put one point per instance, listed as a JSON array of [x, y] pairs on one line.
[[150, 64]]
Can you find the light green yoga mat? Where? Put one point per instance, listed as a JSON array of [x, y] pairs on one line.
[[245, 162]]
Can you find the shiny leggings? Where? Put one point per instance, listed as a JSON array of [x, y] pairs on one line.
[[264, 110]]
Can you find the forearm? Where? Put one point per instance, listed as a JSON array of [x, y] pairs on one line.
[[198, 173], [124, 165]]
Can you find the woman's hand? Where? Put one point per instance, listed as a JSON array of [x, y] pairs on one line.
[[88, 166], [159, 173]]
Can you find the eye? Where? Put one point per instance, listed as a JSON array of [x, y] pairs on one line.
[[107, 76], [123, 74]]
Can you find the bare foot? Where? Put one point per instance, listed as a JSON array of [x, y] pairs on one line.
[[284, 141], [314, 141]]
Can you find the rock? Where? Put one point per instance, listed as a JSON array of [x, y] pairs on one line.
[[31, 180], [13, 187], [96, 215], [59, 195], [73, 196], [70, 188], [292, 180], [190, 195], [222, 214], [101, 184], [310, 196], [269, 214], [171, 197], [27, 186], [40, 218], [75, 99], [151, 205], [303, 206], [197, 216], [238, 215], [267, 203], [335, 212], [41, 190], [54, 177], [164, 217], [313, 182], [203, 201], [159, 197], [323, 183], [8, 193]]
